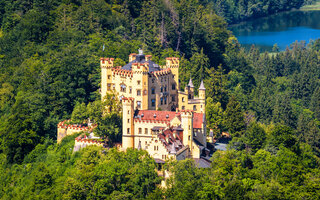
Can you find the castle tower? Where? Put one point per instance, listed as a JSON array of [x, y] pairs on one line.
[[140, 82], [202, 97], [187, 125], [132, 57], [173, 64], [190, 89], [127, 123], [106, 65]]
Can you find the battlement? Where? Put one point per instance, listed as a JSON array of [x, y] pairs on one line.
[[122, 72], [148, 57], [106, 61], [65, 129], [132, 57], [140, 67], [172, 61], [162, 72], [88, 141]]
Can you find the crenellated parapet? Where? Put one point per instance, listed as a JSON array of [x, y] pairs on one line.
[[140, 68], [65, 129], [172, 61], [122, 72], [163, 72], [106, 62]]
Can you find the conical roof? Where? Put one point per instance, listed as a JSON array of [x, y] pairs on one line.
[[190, 83], [202, 86]]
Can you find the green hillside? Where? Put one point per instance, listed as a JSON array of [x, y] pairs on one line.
[[49, 72]]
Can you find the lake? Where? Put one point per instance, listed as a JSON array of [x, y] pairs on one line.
[[282, 29]]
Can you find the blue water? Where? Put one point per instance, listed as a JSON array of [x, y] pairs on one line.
[[282, 29]]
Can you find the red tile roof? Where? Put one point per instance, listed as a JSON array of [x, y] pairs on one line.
[[197, 120], [154, 115]]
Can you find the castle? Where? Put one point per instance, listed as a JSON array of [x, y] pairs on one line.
[[157, 117]]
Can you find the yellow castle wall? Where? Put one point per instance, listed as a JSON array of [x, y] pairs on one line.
[[197, 105], [139, 79], [143, 136]]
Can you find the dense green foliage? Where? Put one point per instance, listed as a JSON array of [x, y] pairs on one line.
[[238, 10], [49, 71], [52, 171]]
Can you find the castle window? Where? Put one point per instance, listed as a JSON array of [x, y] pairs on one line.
[[189, 97], [189, 138], [161, 89], [165, 88], [165, 79], [146, 131], [109, 87], [138, 82], [173, 86], [161, 79], [138, 92], [140, 130], [182, 99], [194, 107], [172, 76], [145, 92], [139, 104], [128, 120], [161, 101], [130, 90], [165, 100], [114, 86], [153, 91], [152, 80], [146, 143], [173, 98], [128, 130], [123, 88], [153, 102], [183, 108], [109, 77]]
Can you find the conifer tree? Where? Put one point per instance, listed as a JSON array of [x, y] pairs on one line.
[[315, 103], [234, 118]]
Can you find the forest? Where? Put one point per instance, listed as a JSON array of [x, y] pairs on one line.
[[235, 11], [49, 72]]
